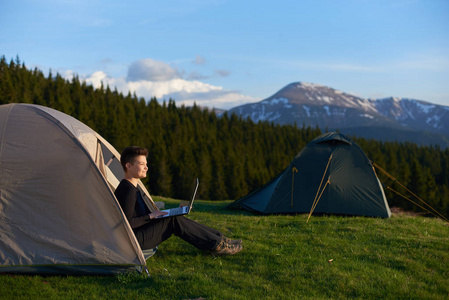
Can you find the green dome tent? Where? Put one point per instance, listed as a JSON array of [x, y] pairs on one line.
[[58, 212], [330, 175]]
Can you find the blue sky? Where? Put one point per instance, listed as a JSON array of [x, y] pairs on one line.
[[225, 53]]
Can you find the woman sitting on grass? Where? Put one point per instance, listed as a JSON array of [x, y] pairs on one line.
[[151, 231]]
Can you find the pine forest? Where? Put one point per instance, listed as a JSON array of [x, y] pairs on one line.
[[231, 156]]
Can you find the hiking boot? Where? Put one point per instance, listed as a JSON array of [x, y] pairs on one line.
[[225, 248], [229, 241]]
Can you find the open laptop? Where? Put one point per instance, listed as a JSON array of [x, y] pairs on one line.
[[184, 210]]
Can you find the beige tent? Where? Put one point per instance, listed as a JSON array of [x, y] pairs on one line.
[[58, 212]]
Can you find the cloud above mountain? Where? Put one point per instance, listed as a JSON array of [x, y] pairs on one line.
[[151, 70], [150, 78]]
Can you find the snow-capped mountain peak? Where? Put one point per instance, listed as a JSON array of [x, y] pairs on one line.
[[315, 94], [317, 105]]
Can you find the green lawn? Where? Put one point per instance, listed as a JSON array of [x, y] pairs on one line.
[[284, 257]]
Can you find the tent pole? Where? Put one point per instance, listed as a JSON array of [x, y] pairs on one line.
[[294, 170], [315, 201]]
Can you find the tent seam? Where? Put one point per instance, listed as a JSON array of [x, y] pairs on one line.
[[3, 132]]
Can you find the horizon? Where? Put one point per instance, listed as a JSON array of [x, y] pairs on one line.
[[222, 54]]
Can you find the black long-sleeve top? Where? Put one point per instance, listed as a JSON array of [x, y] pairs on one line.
[[131, 201]]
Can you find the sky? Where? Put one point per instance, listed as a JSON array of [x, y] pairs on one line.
[[224, 53]]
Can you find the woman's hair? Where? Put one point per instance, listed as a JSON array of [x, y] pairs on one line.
[[129, 155]]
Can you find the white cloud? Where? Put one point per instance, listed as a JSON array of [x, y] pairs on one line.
[[216, 99], [149, 78], [99, 77], [163, 88], [151, 70], [185, 92]]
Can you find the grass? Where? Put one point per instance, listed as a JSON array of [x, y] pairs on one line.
[[405, 257]]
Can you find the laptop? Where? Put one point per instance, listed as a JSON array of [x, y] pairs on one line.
[[184, 210]]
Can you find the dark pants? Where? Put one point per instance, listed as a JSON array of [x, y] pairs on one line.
[[157, 231]]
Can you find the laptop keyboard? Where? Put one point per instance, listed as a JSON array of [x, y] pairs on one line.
[[177, 210]]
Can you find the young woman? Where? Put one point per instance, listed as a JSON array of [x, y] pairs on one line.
[[151, 231]]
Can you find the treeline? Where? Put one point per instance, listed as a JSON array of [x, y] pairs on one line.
[[230, 155]]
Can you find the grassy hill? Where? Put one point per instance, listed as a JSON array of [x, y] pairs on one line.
[[283, 258]]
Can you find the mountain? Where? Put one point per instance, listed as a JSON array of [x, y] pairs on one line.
[[415, 114], [390, 119]]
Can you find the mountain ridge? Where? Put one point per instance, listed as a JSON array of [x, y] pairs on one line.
[[313, 105]]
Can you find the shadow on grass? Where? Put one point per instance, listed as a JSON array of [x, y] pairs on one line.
[[221, 209], [215, 207]]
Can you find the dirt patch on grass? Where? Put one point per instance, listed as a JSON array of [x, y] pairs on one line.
[[400, 211]]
